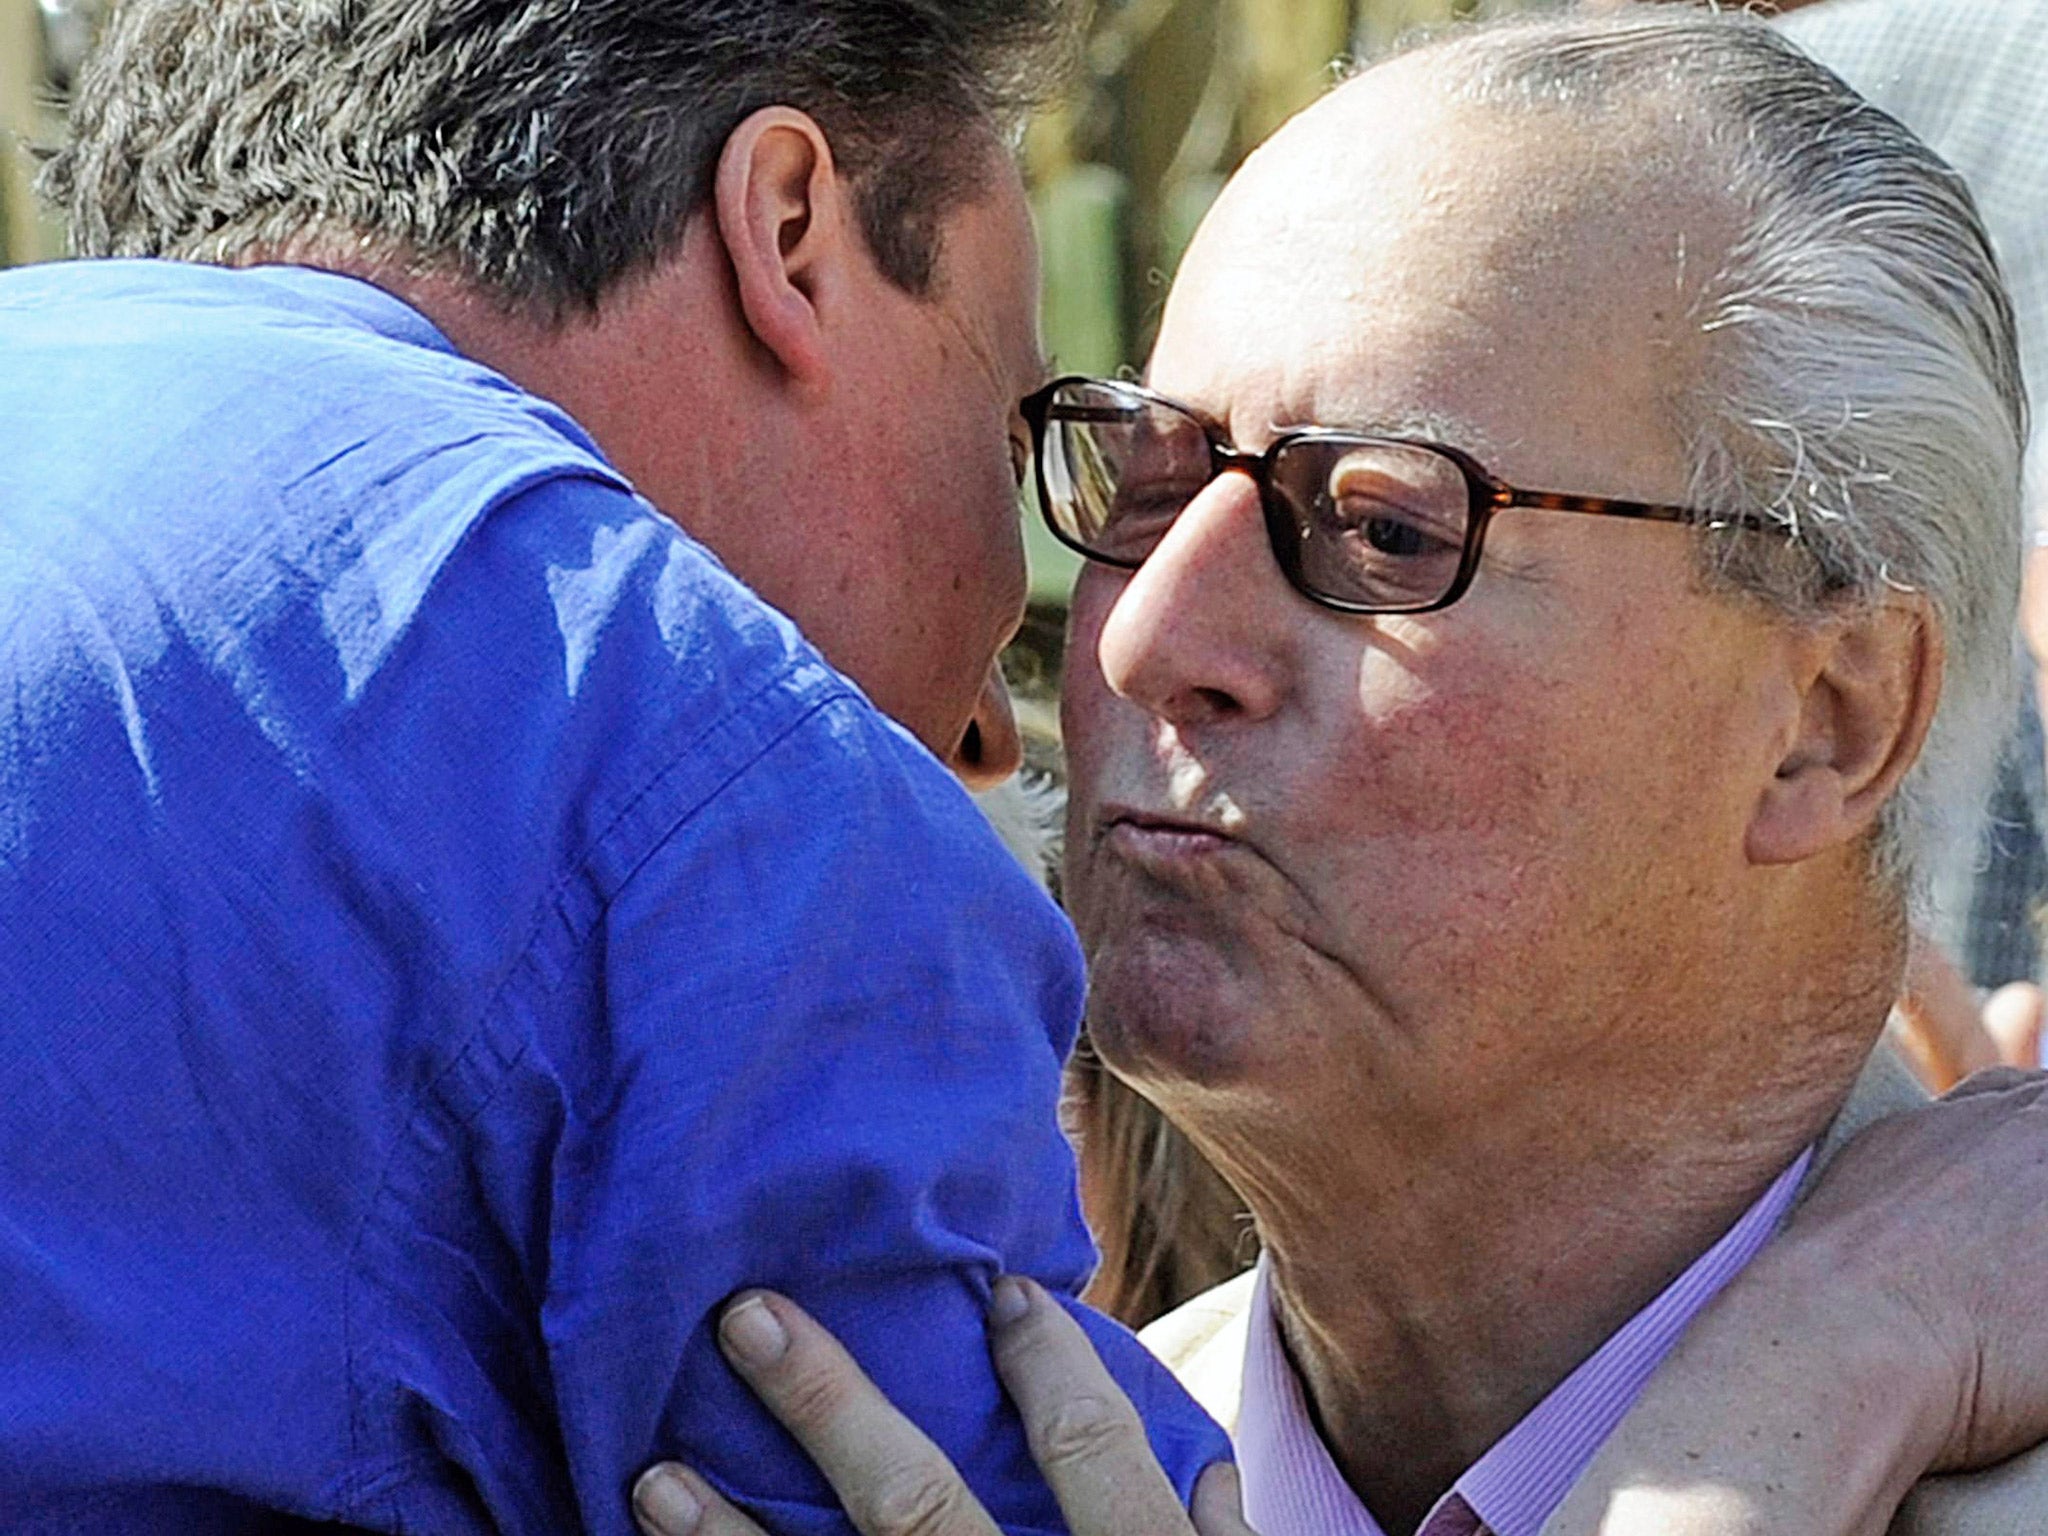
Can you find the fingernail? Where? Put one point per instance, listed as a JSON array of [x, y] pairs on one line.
[[753, 1333], [1008, 1302], [664, 1501]]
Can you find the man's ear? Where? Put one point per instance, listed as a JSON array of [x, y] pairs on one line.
[[785, 220], [1870, 681]]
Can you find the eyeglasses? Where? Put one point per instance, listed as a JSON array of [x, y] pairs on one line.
[[1358, 523]]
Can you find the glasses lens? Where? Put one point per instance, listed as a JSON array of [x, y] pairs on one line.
[[1380, 525], [1119, 467]]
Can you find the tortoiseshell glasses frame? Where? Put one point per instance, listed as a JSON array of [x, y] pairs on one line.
[[1357, 522]]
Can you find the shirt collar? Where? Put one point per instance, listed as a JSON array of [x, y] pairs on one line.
[[1292, 1486]]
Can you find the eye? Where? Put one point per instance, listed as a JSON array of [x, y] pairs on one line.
[[1390, 530], [1392, 504], [1393, 534], [1020, 460]]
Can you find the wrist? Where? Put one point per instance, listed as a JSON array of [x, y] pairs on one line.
[[1856, 1359], [1787, 1407]]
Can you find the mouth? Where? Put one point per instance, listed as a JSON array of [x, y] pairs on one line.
[[1153, 838]]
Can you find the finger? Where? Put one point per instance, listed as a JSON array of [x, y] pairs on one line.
[[1929, 1064], [1218, 1505], [1940, 1011], [2012, 1018], [671, 1500], [892, 1480], [1084, 1434]]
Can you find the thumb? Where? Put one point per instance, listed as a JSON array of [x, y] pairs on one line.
[[1218, 1505]]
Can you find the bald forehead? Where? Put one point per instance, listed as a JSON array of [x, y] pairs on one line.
[[1403, 252], [1515, 222], [1537, 181]]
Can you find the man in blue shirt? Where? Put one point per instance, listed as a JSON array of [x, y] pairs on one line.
[[455, 933]]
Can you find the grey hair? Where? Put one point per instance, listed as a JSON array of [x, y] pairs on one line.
[[1859, 379], [543, 149]]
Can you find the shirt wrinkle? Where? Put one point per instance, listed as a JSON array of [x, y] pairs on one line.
[[528, 940]]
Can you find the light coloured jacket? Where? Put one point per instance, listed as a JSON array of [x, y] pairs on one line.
[[1203, 1341]]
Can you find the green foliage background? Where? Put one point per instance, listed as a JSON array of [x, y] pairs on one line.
[[29, 113]]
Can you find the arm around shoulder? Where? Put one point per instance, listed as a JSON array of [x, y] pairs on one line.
[[1897, 1327]]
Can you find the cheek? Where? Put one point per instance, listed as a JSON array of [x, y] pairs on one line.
[[962, 547], [1458, 814], [1088, 709], [1449, 749], [1082, 688], [975, 528], [1102, 736], [1512, 797]]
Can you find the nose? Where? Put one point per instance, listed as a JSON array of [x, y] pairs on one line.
[[991, 748], [1200, 632]]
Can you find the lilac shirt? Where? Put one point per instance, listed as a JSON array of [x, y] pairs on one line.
[[1293, 1488]]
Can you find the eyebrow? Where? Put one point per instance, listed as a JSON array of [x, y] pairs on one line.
[[1430, 426]]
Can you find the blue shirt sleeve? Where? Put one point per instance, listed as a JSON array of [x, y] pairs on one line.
[[836, 1014], [791, 1017]]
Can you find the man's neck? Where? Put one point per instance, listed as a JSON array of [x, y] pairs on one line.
[[682, 435], [1466, 1288]]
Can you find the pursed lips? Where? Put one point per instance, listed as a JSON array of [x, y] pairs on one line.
[[1154, 837]]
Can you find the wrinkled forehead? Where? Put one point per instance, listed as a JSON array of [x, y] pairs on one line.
[[1399, 255]]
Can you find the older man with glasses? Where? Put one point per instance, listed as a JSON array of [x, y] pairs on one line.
[[1563, 540]]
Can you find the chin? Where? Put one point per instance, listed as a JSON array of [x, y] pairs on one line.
[[1179, 1028]]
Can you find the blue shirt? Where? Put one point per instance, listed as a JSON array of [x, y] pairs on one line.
[[452, 935]]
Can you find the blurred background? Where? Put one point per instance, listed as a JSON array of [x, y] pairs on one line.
[[42, 42]]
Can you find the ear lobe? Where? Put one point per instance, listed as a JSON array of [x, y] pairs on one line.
[[1869, 697], [782, 217]]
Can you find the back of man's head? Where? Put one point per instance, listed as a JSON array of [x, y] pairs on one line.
[[540, 149]]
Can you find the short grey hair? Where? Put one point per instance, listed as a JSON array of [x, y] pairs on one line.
[[543, 149], [1859, 378]]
